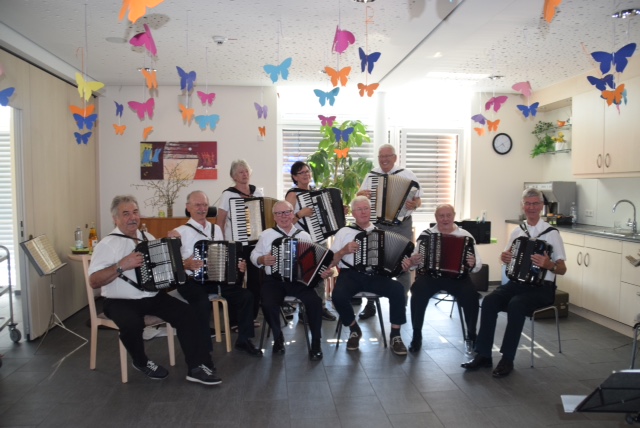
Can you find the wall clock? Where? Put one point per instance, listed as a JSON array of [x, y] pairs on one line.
[[502, 144]]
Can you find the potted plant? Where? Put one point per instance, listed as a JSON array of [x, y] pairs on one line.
[[165, 192], [332, 164], [545, 141]]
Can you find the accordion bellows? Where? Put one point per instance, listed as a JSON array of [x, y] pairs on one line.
[[381, 252], [444, 255], [521, 268], [162, 267], [299, 260], [220, 261]]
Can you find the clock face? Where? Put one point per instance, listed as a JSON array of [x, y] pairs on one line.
[[502, 144]]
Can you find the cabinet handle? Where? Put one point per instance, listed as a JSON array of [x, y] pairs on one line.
[[587, 259], [599, 161], [579, 258], [607, 160]]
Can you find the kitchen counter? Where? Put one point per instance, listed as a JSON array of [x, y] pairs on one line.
[[599, 231]]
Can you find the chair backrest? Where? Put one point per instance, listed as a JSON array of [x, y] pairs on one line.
[[86, 259]]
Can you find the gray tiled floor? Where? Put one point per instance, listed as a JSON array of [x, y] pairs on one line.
[[369, 388]]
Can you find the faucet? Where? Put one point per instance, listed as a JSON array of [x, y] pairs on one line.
[[633, 224]]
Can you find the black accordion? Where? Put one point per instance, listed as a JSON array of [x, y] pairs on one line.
[[389, 193], [249, 217], [162, 266], [521, 268], [299, 260], [220, 261], [381, 252], [328, 212], [444, 255]]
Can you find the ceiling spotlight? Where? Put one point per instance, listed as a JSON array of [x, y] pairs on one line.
[[364, 1], [496, 77], [622, 14], [219, 40], [147, 69]]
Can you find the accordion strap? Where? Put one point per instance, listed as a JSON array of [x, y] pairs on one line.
[[284, 234], [252, 190], [523, 226], [199, 231], [122, 276]]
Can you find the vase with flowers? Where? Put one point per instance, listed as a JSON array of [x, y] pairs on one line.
[[165, 192]]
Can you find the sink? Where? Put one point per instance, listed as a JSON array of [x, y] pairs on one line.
[[619, 233]]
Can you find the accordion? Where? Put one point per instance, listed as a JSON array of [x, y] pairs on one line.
[[521, 268], [249, 217], [162, 265], [220, 261], [389, 193], [328, 212], [299, 260], [381, 252], [444, 255]]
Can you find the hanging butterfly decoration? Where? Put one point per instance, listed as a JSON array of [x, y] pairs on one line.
[[342, 153], [342, 135], [341, 76], [618, 59], [150, 77], [145, 39], [86, 89], [326, 121], [82, 138], [601, 84], [211, 121], [367, 88], [523, 87], [342, 40], [324, 96], [206, 98], [137, 8], [5, 94], [368, 61], [550, 9], [186, 79], [261, 110], [119, 109], [88, 121], [187, 113], [493, 125], [262, 130], [478, 118], [529, 110], [84, 112], [479, 131], [142, 108], [119, 129], [616, 96], [146, 131], [275, 71], [496, 102]]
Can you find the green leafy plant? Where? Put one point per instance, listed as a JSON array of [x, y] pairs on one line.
[[545, 144], [332, 164]]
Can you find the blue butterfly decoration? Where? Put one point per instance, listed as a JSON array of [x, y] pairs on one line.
[[342, 135], [479, 119], [529, 110], [619, 59], [119, 109], [5, 94], [82, 138], [368, 60], [211, 120], [601, 84], [324, 96], [186, 79], [281, 70], [88, 121]]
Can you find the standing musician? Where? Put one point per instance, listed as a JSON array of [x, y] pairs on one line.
[[351, 281], [113, 260], [301, 176], [240, 300], [387, 159], [516, 298], [274, 291], [240, 173], [426, 286]]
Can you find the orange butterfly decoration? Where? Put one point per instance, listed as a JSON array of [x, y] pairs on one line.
[[480, 131], [262, 130], [493, 126], [615, 96], [137, 8], [187, 113], [119, 129], [368, 88], [84, 112], [151, 78], [342, 153], [550, 9], [561, 123], [146, 131], [342, 75]]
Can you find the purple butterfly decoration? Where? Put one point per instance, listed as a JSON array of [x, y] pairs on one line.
[[145, 39], [342, 40], [326, 121], [601, 84], [186, 79], [206, 98], [262, 110], [479, 119], [142, 108]]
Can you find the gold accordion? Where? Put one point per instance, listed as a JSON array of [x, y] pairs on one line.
[[299, 260], [220, 261], [389, 193], [162, 267], [328, 212], [521, 268], [249, 217], [444, 255], [381, 252]]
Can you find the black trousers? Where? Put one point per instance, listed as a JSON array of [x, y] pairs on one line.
[[240, 301], [423, 289], [128, 314], [273, 293], [253, 279]]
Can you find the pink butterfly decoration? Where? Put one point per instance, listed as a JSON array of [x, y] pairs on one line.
[[342, 40], [496, 102], [206, 98], [326, 121], [142, 108], [523, 87], [145, 39]]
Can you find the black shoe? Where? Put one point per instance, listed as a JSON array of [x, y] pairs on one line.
[[204, 375], [152, 370], [478, 362], [278, 345], [503, 368], [368, 312], [328, 316], [315, 354], [249, 348], [415, 346]]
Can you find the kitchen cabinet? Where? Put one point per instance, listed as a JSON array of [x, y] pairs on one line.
[[587, 146], [630, 285], [571, 281]]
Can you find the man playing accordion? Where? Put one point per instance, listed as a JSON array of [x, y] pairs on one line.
[[519, 298], [455, 282]]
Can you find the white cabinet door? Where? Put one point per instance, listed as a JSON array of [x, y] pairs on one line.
[[622, 134], [571, 281], [601, 282], [629, 303], [587, 143]]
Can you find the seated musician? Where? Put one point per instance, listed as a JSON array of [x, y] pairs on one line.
[[274, 291], [113, 260], [301, 176], [425, 286], [519, 299], [240, 300], [351, 281]]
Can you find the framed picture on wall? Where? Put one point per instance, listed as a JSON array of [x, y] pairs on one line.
[[194, 160]]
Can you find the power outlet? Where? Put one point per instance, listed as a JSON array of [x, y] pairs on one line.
[[588, 213]]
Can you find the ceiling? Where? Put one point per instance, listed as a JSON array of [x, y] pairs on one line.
[[415, 37]]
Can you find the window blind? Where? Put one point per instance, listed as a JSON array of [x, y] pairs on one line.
[[6, 207]]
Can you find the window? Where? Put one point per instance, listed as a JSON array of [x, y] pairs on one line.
[[432, 156], [6, 202]]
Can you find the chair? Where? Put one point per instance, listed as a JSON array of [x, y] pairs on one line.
[[301, 310], [99, 319], [454, 301], [634, 348], [376, 299], [532, 316]]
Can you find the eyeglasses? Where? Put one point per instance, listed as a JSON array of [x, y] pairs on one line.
[[361, 210], [303, 172], [282, 213], [199, 205], [532, 204], [385, 156]]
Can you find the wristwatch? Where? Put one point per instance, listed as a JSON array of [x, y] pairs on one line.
[[553, 269], [119, 270]]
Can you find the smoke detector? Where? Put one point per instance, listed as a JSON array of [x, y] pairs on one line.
[[219, 40]]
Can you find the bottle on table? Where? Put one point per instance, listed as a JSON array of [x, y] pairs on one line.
[[573, 213], [79, 241], [93, 237]]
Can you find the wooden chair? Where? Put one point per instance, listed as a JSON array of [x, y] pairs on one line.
[[100, 319]]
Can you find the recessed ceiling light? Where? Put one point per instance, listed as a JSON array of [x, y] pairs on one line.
[[147, 69], [364, 1], [622, 14], [496, 77]]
